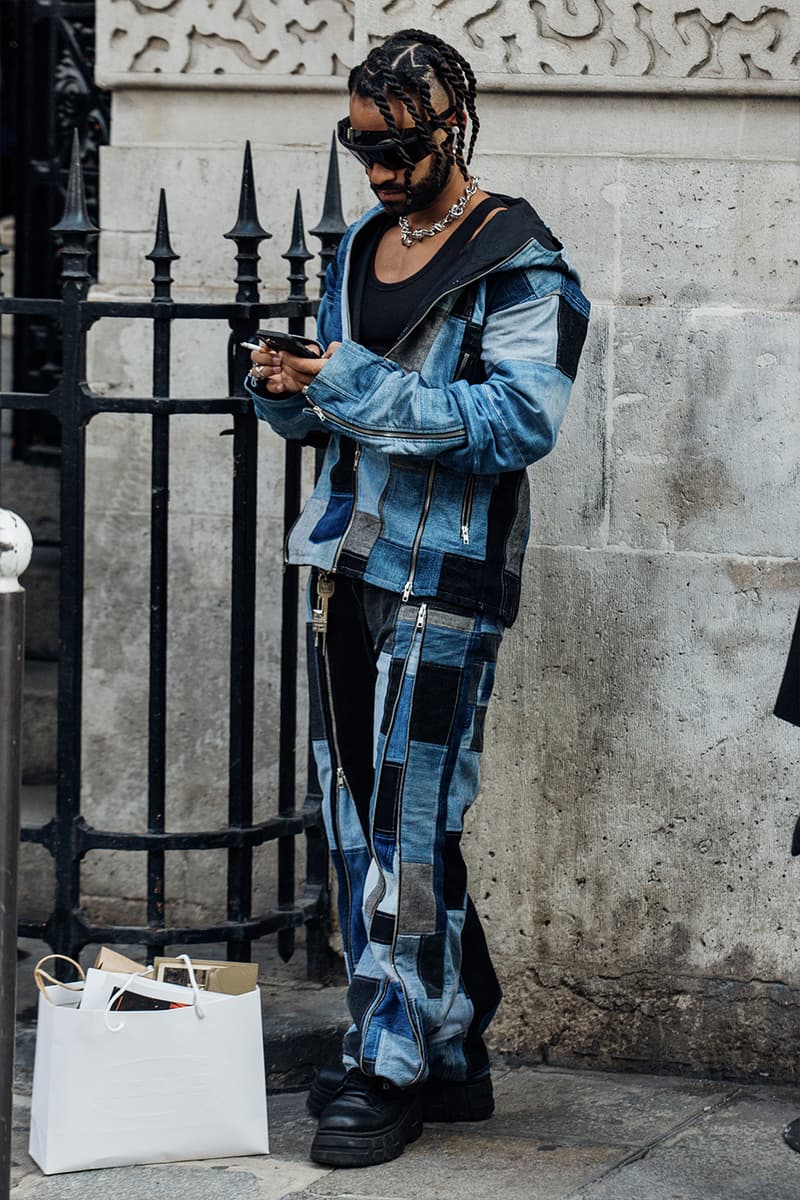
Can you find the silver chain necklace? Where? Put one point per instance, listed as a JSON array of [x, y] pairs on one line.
[[409, 235]]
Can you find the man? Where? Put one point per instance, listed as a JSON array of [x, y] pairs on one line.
[[452, 327]]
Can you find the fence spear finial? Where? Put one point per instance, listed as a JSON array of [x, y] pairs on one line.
[[298, 254], [247, 233], [75, 227], [331, 225], [162, 254], [75, 218]]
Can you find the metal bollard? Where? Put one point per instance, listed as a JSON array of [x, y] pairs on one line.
[[15, 554]]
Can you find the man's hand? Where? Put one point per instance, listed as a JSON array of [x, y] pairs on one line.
[[286, 373]]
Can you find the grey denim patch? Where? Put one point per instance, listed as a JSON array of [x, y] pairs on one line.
[[363, 534], [417, 901]]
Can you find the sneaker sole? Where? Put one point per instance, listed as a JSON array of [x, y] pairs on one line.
[[365, 1150]]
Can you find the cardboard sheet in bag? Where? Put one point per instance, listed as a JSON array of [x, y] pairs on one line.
[[167, 1086], [231, 978], [111, 960]]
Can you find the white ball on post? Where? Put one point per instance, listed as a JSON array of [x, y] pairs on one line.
[[16, 546]]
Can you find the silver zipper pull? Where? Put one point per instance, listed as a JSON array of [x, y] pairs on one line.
[[421, 615], [356, 458], [465, 534], [340, 777], [407, 591], [315, 408]]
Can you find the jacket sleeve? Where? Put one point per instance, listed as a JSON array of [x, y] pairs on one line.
[[530, 351], [290, 416]]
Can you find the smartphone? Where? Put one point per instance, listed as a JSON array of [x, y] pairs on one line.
[[288, 342]]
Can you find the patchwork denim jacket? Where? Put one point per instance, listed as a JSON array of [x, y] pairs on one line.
[[424, 490]]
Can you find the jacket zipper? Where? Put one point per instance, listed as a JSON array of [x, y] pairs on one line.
[[444, 435], [466, 509], [343, 538], [418, 535]]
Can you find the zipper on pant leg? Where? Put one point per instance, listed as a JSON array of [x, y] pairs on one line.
[[339, 784], [417, 635], [419, 632], [368, 1017]]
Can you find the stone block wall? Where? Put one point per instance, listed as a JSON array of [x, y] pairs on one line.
[[630, 849]]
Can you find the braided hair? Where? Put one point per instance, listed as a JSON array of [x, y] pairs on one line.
[[406, 67]]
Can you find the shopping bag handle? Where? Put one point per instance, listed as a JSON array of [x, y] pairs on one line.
[[42, 977], [199, 1010], [115, 995]]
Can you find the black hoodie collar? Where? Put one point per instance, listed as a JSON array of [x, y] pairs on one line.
[[498, 241]]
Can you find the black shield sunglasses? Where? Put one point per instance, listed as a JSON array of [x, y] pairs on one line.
[[371, 146]]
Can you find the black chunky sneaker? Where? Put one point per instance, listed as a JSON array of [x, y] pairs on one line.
[[367, 1121], [442, 1100]]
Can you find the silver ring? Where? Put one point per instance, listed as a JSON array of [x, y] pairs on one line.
[[257, 371]]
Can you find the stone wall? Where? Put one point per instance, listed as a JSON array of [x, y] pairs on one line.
[[630, 851]]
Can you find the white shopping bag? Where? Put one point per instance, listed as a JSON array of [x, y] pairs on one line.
[[120, 1088]]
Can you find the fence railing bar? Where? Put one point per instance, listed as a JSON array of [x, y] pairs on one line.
[[297, 256], [75, 230], [184, 310], [329, 230], [162, 256], [192, 310], [235, 933], [242, 663], [145, 405], [88, 838], [42, 835], [29, 401], [247, 234], [30, 306]]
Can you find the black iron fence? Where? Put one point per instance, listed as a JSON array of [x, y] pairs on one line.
[[68, 836], [47, 89]]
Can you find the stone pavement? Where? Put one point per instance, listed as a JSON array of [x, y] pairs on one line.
[[556, 1135]]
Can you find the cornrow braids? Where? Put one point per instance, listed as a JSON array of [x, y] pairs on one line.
[[382, 104], [405, 67]]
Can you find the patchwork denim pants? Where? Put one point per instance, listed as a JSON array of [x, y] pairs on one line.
[[398, 696]]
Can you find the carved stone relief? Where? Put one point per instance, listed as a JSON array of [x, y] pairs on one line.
[[713, 39], [661, 41], [224, 37]]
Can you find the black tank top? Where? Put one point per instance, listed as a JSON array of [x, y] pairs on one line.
[[384, 308]]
